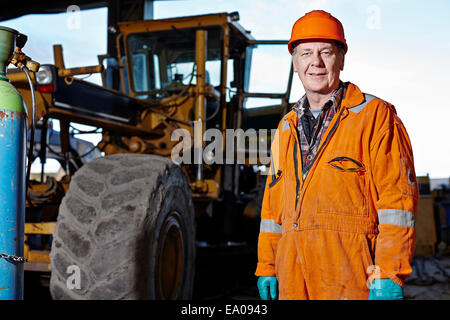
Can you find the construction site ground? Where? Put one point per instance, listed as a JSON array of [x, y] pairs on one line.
[[229, 275], [430, 279]]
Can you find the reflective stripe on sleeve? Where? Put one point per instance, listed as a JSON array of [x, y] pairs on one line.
[[268, 225], [396, 217]]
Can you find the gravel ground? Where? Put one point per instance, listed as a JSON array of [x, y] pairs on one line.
[[430, 279], [427, 282]]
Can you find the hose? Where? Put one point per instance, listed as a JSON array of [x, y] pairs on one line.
[[31, 145]]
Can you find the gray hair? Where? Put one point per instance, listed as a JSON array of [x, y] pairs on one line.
[[340, 46]]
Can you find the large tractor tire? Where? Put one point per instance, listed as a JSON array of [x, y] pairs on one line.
[[126, 229]]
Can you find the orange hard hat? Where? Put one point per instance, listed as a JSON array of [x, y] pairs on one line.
[[317, 24]]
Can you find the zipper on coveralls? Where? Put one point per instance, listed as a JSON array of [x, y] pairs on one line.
[[299, 190], [295, 152]]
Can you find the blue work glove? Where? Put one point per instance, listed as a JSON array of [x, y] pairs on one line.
[[266, 285], [385, 289]]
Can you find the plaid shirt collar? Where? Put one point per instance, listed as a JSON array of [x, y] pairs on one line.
[[302, 105], [311, 130]]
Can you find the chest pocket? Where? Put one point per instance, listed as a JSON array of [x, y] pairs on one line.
[[276, 196], [344, 187]]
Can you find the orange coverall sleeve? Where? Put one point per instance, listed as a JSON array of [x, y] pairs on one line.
[[270, 232], [397, 197]]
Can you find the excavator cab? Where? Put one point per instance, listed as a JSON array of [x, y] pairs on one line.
[[163, 62], [156, 60]]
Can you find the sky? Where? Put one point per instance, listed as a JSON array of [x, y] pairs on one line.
[[399, 50]]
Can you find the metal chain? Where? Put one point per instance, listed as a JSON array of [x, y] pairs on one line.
[[13, 258]]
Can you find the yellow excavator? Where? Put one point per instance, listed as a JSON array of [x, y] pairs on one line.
[[129, 217]]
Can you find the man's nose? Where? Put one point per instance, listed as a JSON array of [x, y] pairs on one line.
[[317, 60]]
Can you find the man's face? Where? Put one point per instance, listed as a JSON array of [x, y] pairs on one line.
[[318, 64]]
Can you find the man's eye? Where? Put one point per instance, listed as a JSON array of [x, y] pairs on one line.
[[326, 52], [305, 53]]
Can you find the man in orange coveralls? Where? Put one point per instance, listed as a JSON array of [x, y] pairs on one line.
[[338, 213]]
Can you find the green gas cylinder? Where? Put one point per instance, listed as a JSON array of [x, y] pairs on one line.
[[13, 132]]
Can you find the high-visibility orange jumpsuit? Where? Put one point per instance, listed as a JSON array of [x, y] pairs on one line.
[[351, 219]]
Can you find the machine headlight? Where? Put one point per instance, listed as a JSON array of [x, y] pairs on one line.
[[234, 16], [45, 75]]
